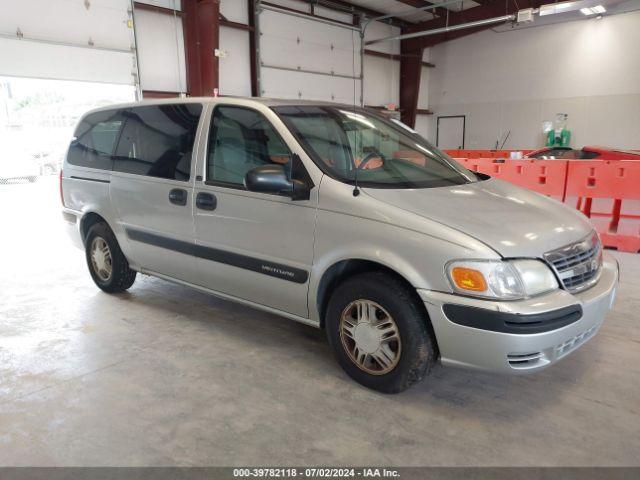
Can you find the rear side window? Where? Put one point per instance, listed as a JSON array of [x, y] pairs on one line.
[[157, 141], [240, 140], [95, 140]]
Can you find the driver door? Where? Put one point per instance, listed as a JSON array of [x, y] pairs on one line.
[[253, 246]]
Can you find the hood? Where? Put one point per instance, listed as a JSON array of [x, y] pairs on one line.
[[511, 220]]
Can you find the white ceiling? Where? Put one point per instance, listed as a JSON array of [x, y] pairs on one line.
[[414, 15], [393, 6], [613, 7]]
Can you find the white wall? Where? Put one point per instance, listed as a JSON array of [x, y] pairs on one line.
[[423, 122], [235, 66], [381, 75], [515, 80]]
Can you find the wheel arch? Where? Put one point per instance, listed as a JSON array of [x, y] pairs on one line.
[[87, 221], [341, 270]]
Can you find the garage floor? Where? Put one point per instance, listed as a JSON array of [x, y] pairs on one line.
[[165, 375]]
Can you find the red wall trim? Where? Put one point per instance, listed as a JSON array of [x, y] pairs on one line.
[[159, 94], [155, 8]]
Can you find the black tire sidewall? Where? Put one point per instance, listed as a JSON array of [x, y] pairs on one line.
[[417, 352], [121, 275]]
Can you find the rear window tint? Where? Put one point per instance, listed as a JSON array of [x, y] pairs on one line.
[[157, 140], [95, 140]]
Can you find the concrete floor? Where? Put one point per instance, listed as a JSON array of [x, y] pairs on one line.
[[164, 375]]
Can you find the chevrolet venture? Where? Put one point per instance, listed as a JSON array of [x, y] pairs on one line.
[[339, 218]]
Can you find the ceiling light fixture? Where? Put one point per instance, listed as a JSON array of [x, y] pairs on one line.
[[553, 8], [598, 9]]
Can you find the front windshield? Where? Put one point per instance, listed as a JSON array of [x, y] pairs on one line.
[[345, 142]]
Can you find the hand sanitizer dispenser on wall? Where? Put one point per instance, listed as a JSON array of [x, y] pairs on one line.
[[558, 136]]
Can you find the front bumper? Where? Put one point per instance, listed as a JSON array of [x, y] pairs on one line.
[[497, 351]]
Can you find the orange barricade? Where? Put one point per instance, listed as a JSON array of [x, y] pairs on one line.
[[548, 177], [483, 153], [608, 192]]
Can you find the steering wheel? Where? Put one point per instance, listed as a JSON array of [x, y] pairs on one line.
[[368, 157]]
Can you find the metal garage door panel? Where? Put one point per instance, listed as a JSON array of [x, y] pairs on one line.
[[285, 84], [160, 52], [38, 60], [84, 43], [104, 22], [293, 42]]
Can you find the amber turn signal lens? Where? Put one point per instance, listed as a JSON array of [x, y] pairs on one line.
[[469, 279]]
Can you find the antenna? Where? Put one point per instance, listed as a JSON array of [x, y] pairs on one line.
[[356, 190], [505, 139]]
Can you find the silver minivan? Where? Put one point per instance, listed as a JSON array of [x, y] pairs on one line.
[[339, 218]]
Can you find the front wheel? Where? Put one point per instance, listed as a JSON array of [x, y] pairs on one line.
[[379, 332], [107, 264]]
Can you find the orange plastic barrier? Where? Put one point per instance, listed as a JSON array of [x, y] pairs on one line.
[[483, 153], [608, 192], [548, 177]]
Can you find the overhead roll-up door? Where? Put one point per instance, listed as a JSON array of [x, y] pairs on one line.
[[308, 58], [88, 41], [161, 52]]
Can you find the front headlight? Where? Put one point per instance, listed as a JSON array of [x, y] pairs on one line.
[[503, 280]]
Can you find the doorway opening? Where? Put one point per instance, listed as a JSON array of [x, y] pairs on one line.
[[450, 131], [37, 121]]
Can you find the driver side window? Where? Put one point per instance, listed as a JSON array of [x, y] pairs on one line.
[[241, 139]]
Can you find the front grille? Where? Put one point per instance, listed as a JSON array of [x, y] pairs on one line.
[[578, 265]]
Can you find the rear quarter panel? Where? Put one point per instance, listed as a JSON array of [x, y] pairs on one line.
[[87, 190]]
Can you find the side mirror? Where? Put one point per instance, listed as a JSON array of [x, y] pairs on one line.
[[272, 179]]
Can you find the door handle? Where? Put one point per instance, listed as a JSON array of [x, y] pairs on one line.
[[178, 196], [206, 201]]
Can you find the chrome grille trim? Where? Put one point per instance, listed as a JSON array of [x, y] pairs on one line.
[[578, 265]]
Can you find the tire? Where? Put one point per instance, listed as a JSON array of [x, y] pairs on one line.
[[408, 348], [120, 277]]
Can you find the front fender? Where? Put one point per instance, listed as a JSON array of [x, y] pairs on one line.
[[416, 256]]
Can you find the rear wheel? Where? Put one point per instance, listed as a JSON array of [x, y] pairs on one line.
[[107, 264], [379, 332]]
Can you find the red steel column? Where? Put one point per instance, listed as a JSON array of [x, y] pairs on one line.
[[410, 71], [202, 37], [190, 32], [251, 9], [208, 40]]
